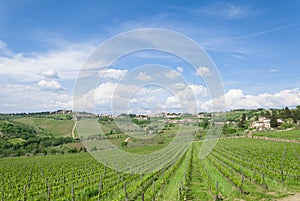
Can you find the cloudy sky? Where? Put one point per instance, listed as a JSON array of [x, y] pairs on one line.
[[255, 46]]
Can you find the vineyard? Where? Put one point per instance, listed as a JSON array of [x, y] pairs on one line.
[[285, 135], [237, 169]]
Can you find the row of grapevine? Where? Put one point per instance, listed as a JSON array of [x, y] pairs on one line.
[[243, 168]]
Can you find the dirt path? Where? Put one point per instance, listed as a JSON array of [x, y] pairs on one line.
[[295, 197], [274, 139], [73, 130]]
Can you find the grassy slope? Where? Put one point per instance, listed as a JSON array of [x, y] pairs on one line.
[[58, 128], [28, 121]]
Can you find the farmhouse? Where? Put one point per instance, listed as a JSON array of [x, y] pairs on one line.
[[173, 115], [262, 124], [141, 117]]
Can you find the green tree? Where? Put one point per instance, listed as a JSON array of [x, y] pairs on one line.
[[228, 130], [273, 120], [204, 123], [242, 122], [295, 114], [287, 112], [267, 114], [124, 144]]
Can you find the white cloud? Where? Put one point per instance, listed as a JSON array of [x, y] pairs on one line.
[[121, 98], [25, 98], [130, 98], [199, 90], [189, 97], [143, 76], [2, 45], [203, 71], [179, 69], [101, 96], [115, 74], [50, 85], [172, 74], [66, 61], [225, 10], [111, 96], [49, 73], [4, 48], [39, 94], [236, 99], [273, 70], [172, 102], [178, 86]]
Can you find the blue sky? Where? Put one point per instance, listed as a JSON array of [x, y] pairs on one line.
[[254, 44]]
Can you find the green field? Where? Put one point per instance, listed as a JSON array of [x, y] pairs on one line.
[[288, 135], [237, 169], [27, 121], [56, 127]]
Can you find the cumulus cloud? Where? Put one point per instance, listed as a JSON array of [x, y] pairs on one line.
[[178, 86], [172, 102], [49, 73], [48, 93], [50, 85], [199, 90], [26, 98], [115, 74], [119, 98], [236, 99], [143, 76], [104, 96], [172, 74], [179, 69], [203, 71], [28, 67]]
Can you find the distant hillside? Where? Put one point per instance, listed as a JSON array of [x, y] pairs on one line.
[[58, 125], [58, 128], [51, 132], [30, 134]]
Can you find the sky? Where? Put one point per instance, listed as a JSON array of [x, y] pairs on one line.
[[254, 46]]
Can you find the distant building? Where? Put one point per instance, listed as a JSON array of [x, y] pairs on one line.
[[106, 116], [262, 124], [141, 117], [172, 115]]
